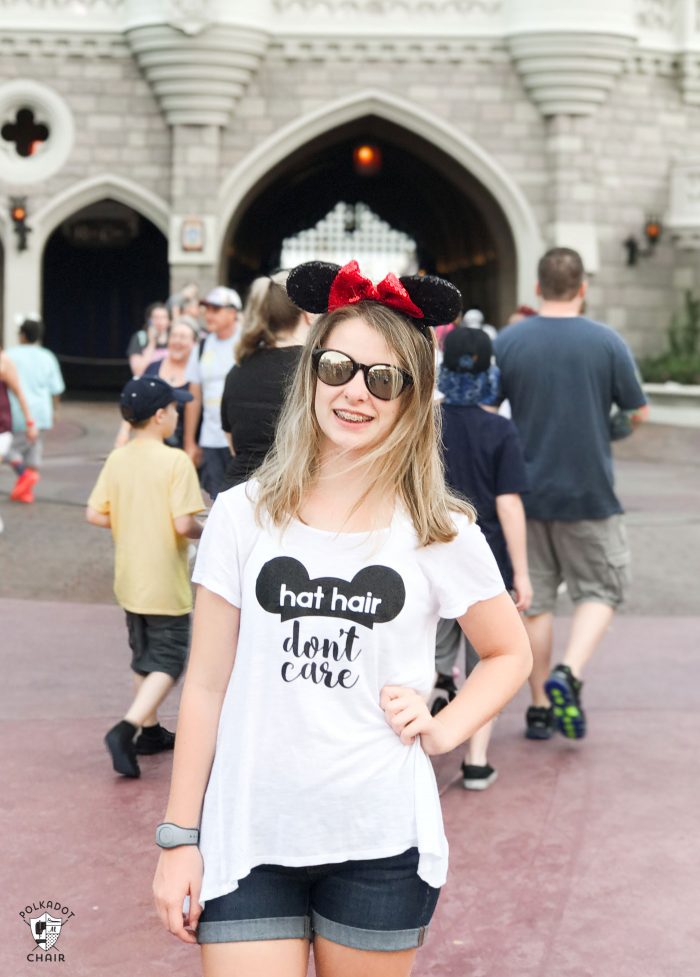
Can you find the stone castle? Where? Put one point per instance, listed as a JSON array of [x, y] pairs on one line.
[[156, 142]]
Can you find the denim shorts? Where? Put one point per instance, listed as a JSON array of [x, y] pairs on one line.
[[373, 904]]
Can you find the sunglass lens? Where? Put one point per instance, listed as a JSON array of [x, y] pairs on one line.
[[334, 368], [385, 382]]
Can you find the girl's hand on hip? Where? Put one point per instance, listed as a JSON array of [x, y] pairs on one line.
[[179, 874], [407, 713]]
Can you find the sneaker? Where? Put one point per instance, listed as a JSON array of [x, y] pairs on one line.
[[24, 485], [445, 691], [119, 742], [477, 778], [564, 692], [539, 723], [154, 739]]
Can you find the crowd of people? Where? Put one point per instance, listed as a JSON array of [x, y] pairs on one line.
[[390, 495]]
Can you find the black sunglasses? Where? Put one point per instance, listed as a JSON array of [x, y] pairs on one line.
[[383, 380]]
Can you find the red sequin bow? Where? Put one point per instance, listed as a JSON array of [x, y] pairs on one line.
[[350, 287]]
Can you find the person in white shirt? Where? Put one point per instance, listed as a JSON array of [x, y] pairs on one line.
[[303, 803], [206, 373]]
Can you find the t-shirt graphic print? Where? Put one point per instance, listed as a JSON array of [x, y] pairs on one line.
[[284, 587], [307, 771]]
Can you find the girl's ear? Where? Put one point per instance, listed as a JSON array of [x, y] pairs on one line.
[[438, 299], [309, 285]]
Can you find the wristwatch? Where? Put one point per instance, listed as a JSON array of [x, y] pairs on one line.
[[172, 836]]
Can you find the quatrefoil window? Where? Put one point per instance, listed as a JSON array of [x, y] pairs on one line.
[[27, 135]]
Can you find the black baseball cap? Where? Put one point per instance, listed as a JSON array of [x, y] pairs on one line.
[[467, 350], [143, 396]]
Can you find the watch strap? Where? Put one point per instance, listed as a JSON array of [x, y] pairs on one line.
[[169, 835]]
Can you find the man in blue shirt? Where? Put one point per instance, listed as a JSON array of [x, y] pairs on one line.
[[562, 373]]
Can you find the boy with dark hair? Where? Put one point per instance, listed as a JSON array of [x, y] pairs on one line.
[[484, 462], [147, 493]]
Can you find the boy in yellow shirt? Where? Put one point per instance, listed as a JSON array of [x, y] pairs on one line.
[[147, 493]]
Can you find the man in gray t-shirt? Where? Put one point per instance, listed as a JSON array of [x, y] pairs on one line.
[[208, 366], [562, 373]]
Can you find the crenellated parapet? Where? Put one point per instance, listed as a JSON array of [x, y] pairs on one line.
[[198, 55], [569, 55]]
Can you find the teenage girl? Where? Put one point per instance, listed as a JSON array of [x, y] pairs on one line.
[[303, 805]]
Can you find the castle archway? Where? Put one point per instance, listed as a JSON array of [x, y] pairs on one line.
[[102, 265], [469, 220]]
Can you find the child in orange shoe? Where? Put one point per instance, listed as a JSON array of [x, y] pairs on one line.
[[42, 383], [9, 382]]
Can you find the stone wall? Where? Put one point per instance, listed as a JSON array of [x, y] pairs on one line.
[[119, 127], [629, 148], [605, 172]]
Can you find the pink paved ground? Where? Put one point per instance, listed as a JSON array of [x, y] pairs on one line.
[[581, 861]]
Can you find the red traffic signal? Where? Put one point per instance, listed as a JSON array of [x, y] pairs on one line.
[[18, 214]]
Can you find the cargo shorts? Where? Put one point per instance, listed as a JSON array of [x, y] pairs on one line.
[[590, 555]]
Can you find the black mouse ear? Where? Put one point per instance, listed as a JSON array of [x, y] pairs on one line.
[[439, 300], [309, 285]]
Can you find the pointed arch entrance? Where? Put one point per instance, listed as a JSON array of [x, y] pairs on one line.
[[103, 264], [470, 221]]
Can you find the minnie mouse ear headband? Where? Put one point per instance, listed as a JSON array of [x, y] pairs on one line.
[[318, 286]]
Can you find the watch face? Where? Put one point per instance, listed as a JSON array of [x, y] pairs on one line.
[[166, 835], [172, 836]]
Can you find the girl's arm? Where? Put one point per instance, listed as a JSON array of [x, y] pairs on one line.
[[139, 361], [511, 516], [193, 412], [214, 640], [494, 628]]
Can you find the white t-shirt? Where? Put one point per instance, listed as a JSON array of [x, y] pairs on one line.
[[210, 370], [307, 771]]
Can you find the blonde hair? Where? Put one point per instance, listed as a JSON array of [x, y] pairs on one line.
[[268, 311], [188, 322], [407, 464]]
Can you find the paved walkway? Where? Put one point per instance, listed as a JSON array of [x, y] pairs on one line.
[[581, 861]]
